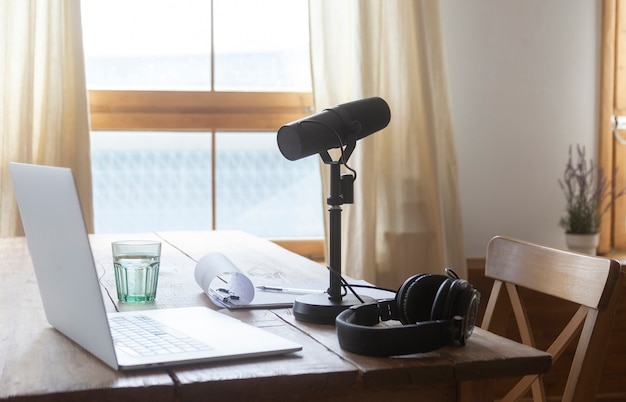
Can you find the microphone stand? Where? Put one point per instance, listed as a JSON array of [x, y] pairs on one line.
[[335, 200], [323, 308]]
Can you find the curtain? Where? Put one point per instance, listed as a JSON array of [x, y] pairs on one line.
[[406, 217], [43, 112]]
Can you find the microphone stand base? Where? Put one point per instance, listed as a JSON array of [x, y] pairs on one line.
[[319, 309]]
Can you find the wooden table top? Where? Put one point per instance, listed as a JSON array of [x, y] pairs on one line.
[[37, 361]]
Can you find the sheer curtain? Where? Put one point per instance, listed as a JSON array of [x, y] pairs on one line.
[[43, 111], [406, 217]]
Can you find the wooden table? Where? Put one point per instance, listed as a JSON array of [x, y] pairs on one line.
[[38, 363]]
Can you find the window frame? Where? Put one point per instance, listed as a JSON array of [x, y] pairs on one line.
[[195, 110], [211, 111], [612, 103]]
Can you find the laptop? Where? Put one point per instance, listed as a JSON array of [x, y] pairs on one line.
[[72, 298]]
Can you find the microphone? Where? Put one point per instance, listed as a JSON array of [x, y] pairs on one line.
[[333, 128]]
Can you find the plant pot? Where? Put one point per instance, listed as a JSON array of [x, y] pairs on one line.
[[582, 243]]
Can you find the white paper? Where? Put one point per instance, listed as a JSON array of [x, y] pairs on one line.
[[223, 282]]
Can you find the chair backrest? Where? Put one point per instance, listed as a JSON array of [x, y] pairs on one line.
[[593, 283]]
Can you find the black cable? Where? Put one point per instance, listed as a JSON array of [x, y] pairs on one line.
[[354, 285], [350, 286], [452, 273], [347, 285]]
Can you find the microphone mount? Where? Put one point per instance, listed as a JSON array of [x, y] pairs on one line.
[[338, 127], [324, 308]]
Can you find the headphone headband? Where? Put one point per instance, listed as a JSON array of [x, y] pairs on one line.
[[436, 311], [356, 334]]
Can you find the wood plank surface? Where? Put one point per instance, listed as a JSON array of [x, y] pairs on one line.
[[176, 288], [313, 368], [485, 356], [38, 363], [482, 358], [262, 261]]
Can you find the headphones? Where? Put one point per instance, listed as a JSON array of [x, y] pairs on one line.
[[436, 310]]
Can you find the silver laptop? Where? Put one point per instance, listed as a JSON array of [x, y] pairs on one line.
[[72, 298]]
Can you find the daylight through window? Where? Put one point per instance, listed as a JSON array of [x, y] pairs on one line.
[[185, 98]]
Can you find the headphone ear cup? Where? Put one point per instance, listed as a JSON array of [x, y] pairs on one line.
[[448, 301], [401, 295], [443, 301], [416, 297]]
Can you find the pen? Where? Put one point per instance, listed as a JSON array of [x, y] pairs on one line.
[[288, 290]]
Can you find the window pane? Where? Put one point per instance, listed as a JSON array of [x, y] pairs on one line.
[[261, 45], [148, 181], [147, 44], [151, 181], [261, 192]]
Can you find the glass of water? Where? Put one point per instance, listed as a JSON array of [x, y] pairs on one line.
[[136, 264]]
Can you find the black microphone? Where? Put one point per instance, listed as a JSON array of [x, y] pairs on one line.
[[333, 128]]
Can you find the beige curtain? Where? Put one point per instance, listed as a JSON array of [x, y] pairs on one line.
[[406, 217], [43, 111]]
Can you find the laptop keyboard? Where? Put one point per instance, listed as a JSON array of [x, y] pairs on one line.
[[140, 335]]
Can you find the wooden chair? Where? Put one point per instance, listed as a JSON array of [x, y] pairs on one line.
[[593, 283]]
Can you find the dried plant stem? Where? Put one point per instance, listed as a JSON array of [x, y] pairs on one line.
[[588, 192]]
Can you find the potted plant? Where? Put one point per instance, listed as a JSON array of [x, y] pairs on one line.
[[589, 194]]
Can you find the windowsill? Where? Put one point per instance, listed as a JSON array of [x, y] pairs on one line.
[[619, 255], [310, 248]]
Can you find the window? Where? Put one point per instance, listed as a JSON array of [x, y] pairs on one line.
[[185, 100]]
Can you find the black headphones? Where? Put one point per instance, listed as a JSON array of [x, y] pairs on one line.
[[436, 310]]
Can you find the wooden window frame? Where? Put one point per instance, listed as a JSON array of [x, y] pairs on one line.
[[112, 110], [195, 110], [611, 152]]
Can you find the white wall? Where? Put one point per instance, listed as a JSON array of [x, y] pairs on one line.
[[523, 78]]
